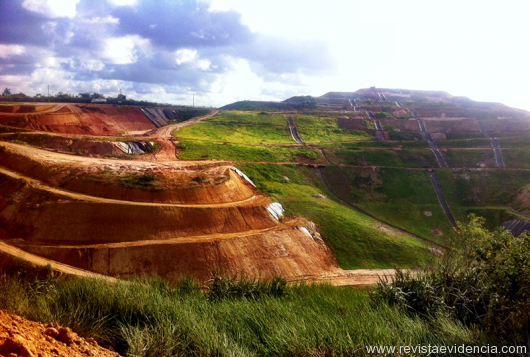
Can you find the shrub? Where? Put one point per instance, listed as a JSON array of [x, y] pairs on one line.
[[484, 281]]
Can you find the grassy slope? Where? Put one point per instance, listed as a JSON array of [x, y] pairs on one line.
[[153, 318], [397, 196], [237, 133], [487, 193], [315, 129], [201, 150], [391, 158], [353, 237], [470, 158], [235, 117]]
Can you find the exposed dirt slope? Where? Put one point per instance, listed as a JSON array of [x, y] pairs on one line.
[[126, 180], [77, 119], [21, 337]]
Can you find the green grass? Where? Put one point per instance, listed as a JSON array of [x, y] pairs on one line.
[[459, 136], [234, 117], [378, 144], [515, 141], [516, 158], [397, 196], [391, 158], [470, 158], [304, 121], [402, 135], [491, 194], [354, 237], [319, 135], [206, 150], [482, 188], [465, 143], [153, 318], [236, 133]]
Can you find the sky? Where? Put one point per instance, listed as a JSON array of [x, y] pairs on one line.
[[215, 52]]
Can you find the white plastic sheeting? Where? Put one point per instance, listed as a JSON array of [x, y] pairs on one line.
[[304, 229], [276, 209], [240, 173], [134, 147]]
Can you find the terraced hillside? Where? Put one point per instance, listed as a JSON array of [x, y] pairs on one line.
[[96, 210], [419, 159], [372, 179]]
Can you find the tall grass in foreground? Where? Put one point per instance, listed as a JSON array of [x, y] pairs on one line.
[[156, 318]]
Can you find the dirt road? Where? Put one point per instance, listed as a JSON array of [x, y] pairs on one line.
[[63, 268], [164, 136]]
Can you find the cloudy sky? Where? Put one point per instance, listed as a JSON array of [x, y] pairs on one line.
[[227, 50]]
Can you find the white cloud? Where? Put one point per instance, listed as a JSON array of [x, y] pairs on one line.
[[184, 55], [124, 50], [52, 8], [204, 64], [101, 20], [124, 2], [11, 50]]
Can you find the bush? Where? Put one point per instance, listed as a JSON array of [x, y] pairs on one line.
[[222, 288], [484, 281]]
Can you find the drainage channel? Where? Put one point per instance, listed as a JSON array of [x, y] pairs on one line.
[[441, 197], [294, 130], [320, 175], [495, 146], [432, 145], [380, 135]]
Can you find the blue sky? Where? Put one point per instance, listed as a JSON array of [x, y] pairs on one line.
[[227, 50]]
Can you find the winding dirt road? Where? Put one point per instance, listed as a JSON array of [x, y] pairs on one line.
[[164, 136]]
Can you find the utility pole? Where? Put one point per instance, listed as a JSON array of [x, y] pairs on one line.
[[48, 93], [194, 101]]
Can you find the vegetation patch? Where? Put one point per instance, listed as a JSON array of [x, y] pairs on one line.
[[397, 196], [235, 117], [236, 133], [390, 158], [403, 135], [141, 181], [516, 158], [470, 158], [204, 150], [318, 135], [303, 121]]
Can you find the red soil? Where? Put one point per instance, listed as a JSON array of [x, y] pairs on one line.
[[78, 119], [21, 337]]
